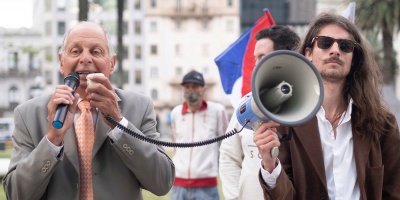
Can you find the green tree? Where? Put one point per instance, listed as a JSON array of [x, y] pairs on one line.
[[381, 17], [120, 48], [83, 10]]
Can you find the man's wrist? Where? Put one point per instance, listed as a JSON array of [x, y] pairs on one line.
[[56, 140], [270, 166]]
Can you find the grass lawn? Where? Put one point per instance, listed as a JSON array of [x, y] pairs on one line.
[[4, 154], [146, 194], [2, 195]]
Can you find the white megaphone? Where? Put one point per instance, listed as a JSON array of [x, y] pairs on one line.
[[286, 88]]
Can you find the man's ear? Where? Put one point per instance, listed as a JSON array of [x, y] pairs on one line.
[[60, 59], [113, 61], [308, 53]]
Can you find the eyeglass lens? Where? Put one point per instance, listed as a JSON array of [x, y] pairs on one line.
[[324, 42]]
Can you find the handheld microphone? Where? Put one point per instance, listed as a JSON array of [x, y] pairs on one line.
[[72, 81]]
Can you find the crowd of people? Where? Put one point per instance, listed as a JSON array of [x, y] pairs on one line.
[[348, 150]]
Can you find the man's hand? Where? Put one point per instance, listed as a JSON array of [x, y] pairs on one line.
[[266, 138], [62, 95], [102, 95]]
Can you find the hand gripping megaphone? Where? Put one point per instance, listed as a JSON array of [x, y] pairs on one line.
[[285, 88]]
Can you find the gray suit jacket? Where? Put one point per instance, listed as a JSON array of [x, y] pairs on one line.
[[303, 176], [120, 168]]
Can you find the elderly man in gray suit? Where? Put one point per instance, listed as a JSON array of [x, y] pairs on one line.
[[45, 162]]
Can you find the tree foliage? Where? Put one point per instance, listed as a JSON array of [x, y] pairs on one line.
[[381, 17]]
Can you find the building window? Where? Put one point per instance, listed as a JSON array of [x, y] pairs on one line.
[[47, 6], [178, 6], [204, 70], [138, 52], [153, 72], [125, 5], [111, 26], [125, 54], [138, 27], [177, 49], [47, 28], [153, 26], [229, 3], [60, 79], [137, 4], [153, 49], [103, 5], [61, 5], [60, 28], [178, 71], [204, 24], [125, 27], [229, 26], [13, 61], [205, 49], [13, 94], [138, 77], [48, 53], [33, 61], [177, 24], [37, 87], [48, 76], [205, 7], [154, 94], [153, 3]]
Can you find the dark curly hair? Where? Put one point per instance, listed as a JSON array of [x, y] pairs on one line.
[[284, 38]]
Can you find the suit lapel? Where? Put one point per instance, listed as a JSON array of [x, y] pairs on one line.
[[308, 136], [100, 134], [362, 145], [71, 148], [102, 128]]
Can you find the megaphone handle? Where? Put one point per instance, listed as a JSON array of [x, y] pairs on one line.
[[285, 137], [274, 152]]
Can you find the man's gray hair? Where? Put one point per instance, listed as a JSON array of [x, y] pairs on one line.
[[106, 33]]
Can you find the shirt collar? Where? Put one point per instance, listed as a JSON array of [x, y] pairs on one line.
[[185, 107], [347, 116]]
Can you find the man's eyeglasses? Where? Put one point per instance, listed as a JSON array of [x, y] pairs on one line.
[[324, 42]]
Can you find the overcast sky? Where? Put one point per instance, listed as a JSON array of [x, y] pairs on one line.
[[16, 13]]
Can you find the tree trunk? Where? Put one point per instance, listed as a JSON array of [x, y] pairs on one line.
[[388, 60], [83, 10], [120, 48]]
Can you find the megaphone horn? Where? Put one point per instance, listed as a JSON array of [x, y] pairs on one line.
[[285, 88]]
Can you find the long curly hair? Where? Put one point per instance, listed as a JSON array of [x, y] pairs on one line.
[[364, 81]]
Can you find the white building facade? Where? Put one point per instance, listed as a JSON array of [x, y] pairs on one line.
[[20, 68], [163, 40]]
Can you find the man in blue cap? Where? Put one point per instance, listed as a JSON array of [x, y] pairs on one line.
[[196, 120]]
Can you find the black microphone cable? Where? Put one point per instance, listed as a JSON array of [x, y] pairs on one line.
[[172, 144]]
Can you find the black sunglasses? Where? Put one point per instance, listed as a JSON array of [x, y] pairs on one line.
[[324, 42]]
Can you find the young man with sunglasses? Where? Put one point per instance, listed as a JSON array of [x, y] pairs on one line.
[[350, 149]]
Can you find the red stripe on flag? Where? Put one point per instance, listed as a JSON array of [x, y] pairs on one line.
[[248, 60]]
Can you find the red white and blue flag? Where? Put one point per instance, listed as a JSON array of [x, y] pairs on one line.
[[236, 63]]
